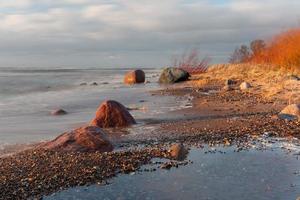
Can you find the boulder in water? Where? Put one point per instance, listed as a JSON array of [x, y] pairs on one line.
[[59, 112], [173, 75], [84, 139], [112, 114], [94, 84], [135, 76], [178, 152]]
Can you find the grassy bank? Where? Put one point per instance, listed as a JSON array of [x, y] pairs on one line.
[[268, 82]]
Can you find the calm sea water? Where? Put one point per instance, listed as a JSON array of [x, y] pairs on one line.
[[27, 96]]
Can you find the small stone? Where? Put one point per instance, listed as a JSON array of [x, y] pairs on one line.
[[178, 152], [245, 86], [94, 84], [290, 112], [230, 82], [59, 112], [167, 165], [227, 88], [226, 142]]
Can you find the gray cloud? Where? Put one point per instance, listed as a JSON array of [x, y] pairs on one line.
[[136, 32]]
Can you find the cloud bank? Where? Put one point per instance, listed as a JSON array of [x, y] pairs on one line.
[[116, 33]]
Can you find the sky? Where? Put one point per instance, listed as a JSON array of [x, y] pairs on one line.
[[133, 33]]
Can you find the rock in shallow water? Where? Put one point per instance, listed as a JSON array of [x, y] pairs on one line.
[[173, 75], [94, 84], [112, 114], [84, 139], [178, 151], [59, 112], [135, 76]]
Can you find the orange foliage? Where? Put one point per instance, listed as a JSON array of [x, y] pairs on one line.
[[282, 51]]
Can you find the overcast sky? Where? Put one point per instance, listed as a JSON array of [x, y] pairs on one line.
[[117, 33]]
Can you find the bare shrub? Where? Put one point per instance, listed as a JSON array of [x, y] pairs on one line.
[[191, 62]]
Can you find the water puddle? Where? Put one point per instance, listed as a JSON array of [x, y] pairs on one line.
[[270, 169]]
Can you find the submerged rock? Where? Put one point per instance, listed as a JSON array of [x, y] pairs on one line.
[[82, 84], [59, 112], [245, 86], [173, 75], [290, 112], [135, 76], [178, 151], [94, 84], [112, 114], [84, 139]]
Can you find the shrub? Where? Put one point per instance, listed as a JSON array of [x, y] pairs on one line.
[[284, 50], [257, 46], [191, 62], [240, 55]]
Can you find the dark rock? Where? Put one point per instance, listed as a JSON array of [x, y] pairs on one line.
[[167, 165], [59, 112], [84, 139], [135, 76], [173, 75], [230, 82], [82, 84], [112, 114], [94, 84]]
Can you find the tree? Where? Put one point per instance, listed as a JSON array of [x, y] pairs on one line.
[[257, 47], [240, 55]]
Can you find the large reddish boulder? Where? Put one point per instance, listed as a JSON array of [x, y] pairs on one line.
[[84, 139], [112, 114], [135, 76]]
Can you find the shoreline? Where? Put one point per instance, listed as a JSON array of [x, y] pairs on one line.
[[229, 118]]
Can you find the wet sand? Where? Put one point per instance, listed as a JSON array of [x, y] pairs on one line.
[[214, 117]]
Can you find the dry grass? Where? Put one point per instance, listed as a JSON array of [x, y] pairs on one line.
[[266, 81]]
